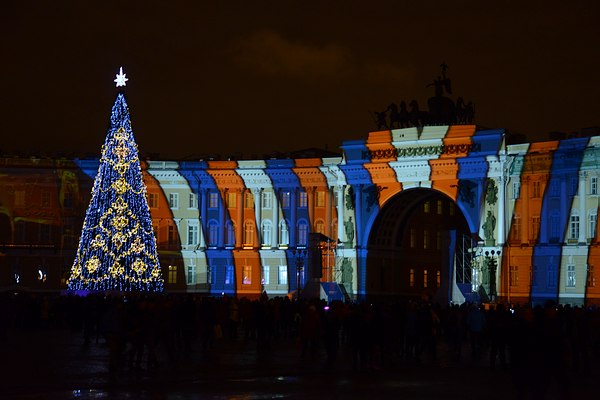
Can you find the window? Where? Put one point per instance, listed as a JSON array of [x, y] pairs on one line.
[[425, 278], [320, 227], [551, 276], [174, 200], [190, 274], [192, 201], [591, 278], [302, 233], [555, 188], [574, 227], [285, 199], [320, 198], [248, 233], [302, 200], [413, 238], [45, 199], [593, 223], [267, 200], [20, 198], [230, 234], [153, 200], [155, 230], [516, 190], [440, 207], [594, 185], [266, 229], [425, 239], [213, 200], [411, 277], [535, 227], [573, 187], [282, 275], [229, 275], [536, 189], [451, 209], [438, 278], [45, 233], [67, 201], [284, 236], [172, 234], [172, 274], [246, 275], [248, 200], [514, 275], [570, 276], [266, 272], [213, 233], [426, 207], [192, 233], [231, 200], [516, 228], [554, 227]]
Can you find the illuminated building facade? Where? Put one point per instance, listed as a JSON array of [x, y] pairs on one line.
[[451, 212]]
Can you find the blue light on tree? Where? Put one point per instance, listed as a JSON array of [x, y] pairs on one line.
[[117, 249]]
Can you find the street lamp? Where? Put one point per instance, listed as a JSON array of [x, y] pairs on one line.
[[300, 255], [492, 264]]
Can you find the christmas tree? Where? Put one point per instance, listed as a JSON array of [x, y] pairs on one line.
[[117, 249]]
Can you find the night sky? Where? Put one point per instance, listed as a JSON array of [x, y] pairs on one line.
[[255, 77]]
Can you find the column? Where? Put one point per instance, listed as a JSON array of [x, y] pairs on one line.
[[275, 207], [582, 214]]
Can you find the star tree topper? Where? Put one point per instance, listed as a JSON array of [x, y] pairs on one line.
[[121, 79]]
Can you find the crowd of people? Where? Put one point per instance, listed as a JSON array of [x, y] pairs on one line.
[[534, 343]]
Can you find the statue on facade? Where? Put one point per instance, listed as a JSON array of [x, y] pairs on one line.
[[349, 227], [347, 271], [442, 109], [488, 228]]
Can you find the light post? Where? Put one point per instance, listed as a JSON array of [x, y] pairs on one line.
[[300, 255], [492, 264]]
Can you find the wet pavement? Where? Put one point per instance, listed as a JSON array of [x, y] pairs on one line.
[[54, 364]]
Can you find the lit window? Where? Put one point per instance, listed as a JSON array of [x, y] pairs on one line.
[[535, 193], [229, 275], [284, 237], [591, 281], [425, 278], [248, 200], [438, 278], [174, 200], [320, 227], [571, 276], [153, 200], [302, 200], [193, 201], [302, 234], [426, 239], [593, 223], [440, 207], [172, 274], [267, 200], [246, 275], [266, 271], [248, 233], [282, 277], [213, 200], [231, 199], [514, 275], [426, 207], [285, 199], [192, 233], [266, 229], [190, 274], [411, 277], [413, 238], [574, 227], [320, 198]]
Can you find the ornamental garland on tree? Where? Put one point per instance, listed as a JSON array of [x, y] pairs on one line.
[[117, 249]]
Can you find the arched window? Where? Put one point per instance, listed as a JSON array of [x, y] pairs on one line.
[[266, 230], [302, 239], [320, 226], [213, 233], [248, 234], [284, 235], [230, 238]]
